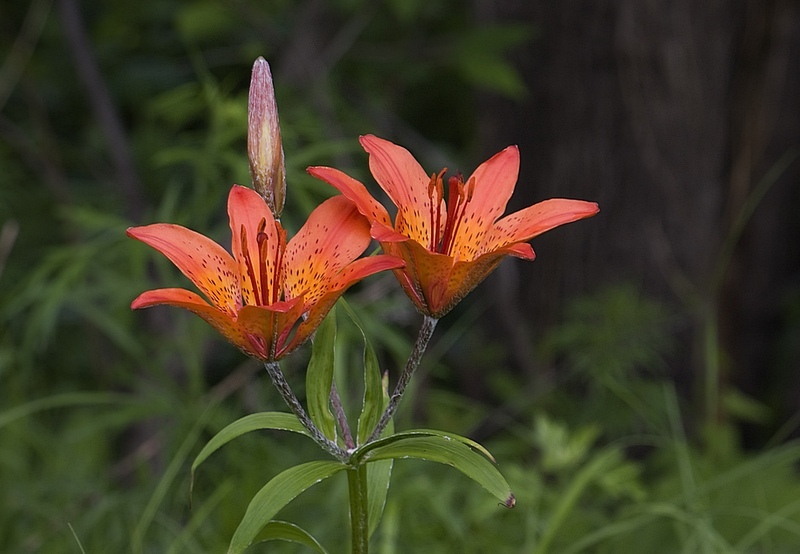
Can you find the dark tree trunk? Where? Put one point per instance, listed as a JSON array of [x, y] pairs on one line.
[[668, 114]]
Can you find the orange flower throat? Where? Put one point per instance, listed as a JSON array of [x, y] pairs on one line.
[[459, 195]]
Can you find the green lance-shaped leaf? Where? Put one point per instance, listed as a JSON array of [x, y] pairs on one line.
[[289, 532], [445, 449], [265, 420], [375, 397], [276, 494], [375, 400], [319, 377], [379, 474], [424, 433]]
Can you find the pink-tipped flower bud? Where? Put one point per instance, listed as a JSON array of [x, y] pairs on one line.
[[264, 146]]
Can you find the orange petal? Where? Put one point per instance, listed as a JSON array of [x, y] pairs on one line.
[[248, 210], [382, 233], [535, 220], [520, 250], [426, 276], [364, 267], [468, 275], [333, 236], [221, 321], [406, 183], [350, 275], [311, 321], [354, 191], [436, 283], [270, 326], [494, 182], [202, 260]]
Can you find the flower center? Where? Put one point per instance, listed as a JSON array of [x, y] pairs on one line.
[[266, 274], [443, 233]]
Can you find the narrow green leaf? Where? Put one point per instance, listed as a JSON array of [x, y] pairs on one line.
[[276, 494], [379, 475], [425, 433], [446, 450], [319, 377], [253, 422], [289, 532], [375, 398]]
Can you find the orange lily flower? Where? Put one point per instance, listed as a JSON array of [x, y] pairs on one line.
[[269, 296], [451, 245]]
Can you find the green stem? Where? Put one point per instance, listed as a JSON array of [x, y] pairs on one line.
[[425, 333], [359, 520], [275, 373]]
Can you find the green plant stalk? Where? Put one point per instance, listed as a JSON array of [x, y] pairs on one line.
[[280, 383], [341, 418], [359, 520], [421, 344]]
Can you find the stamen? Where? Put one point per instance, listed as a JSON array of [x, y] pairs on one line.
[[456, 207], [436, 194], [263, 245], [278, 276], [249, 263], [470, 188]]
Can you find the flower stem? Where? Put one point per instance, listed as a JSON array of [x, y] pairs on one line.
[[275, 373], [341, 418], [425, 334], [359, 519]]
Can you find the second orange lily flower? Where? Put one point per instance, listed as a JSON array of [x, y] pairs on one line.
[[270, 296], [449, 240]]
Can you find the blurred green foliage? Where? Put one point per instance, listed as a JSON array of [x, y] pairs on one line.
[[102, 410]]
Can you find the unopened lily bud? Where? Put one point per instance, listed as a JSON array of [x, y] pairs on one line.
[[264, 146]]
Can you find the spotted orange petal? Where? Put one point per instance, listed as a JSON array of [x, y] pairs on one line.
[[406, 183], [249, 212], [351, 274], [381, 227], [334, 235], [494, 182], [354, 191], [535, 220], [202, 260], [362, 268], [268, 327], [219, 320], [426, 275], [435, 283]]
